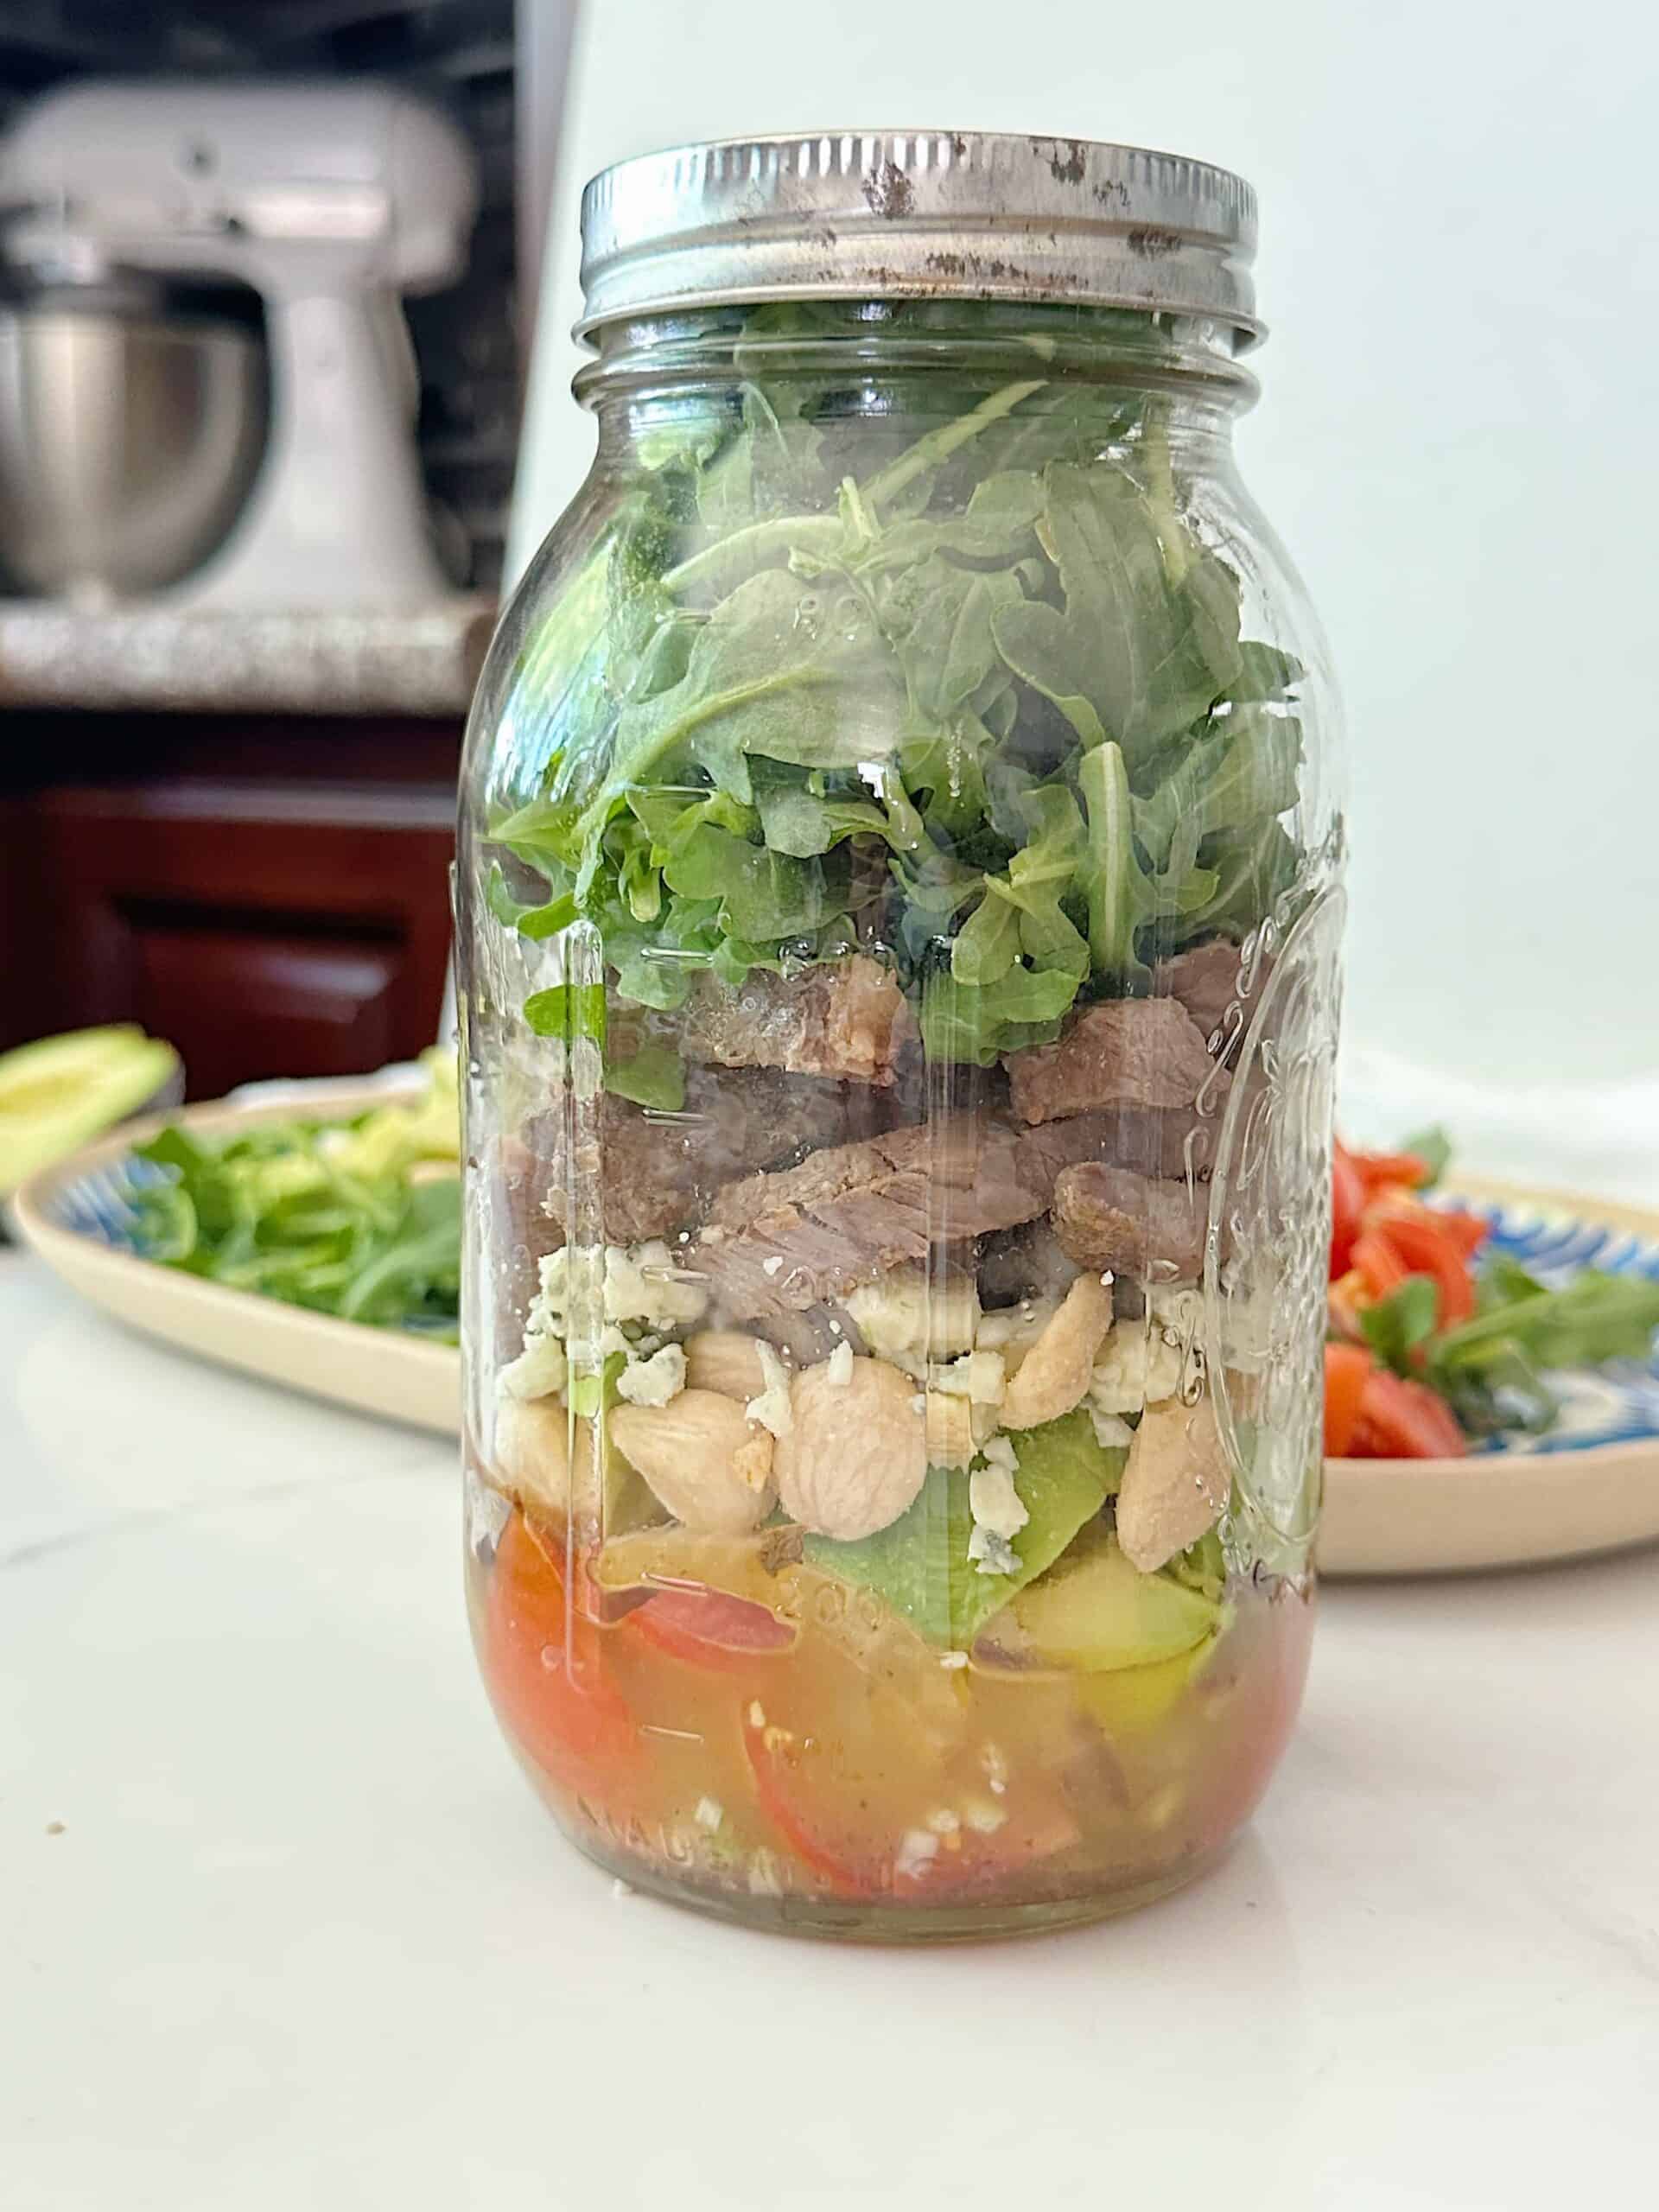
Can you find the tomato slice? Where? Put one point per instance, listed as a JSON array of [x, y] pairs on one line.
[[1405, 1420], [1347, 1208], [862, 1807], [710, 1628], [796, 1784], [1378, 1265], [1422, 1244], [1382, 1171], [1348, 1368], [545, 1666], [1467, 1231]]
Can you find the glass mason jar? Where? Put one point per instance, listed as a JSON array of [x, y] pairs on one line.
[[899, 914]]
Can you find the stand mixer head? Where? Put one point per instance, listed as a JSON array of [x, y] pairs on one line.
[[330, 201]]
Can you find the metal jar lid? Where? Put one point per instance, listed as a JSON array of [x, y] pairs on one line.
[[873, 215]]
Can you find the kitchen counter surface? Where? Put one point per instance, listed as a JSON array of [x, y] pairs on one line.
[[282, 1925], [418, 661]]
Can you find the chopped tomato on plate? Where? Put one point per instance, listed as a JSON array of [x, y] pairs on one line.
[[1348, 1368], [1382, 1236], [1405, 1420], [1423, 1243], [1372, 1414], [1347, 1210]]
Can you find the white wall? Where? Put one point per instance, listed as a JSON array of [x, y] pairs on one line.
[[1460, 267]]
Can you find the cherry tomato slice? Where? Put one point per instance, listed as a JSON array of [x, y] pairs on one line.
[[1467, 1231], [1422, 1244], [545, 1667], [1378, 1265], [873, 1819], [1347, 1208], [1405, 1420], [710, 1628], [1348, 1368], [1381, 1171]]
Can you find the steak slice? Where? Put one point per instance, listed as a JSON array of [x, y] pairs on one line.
[[781, 1243], [1125, 1052], [843, 1018], [1111, 1218], [658, 1171], [1204, 980]]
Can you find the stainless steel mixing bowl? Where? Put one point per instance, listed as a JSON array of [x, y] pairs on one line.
[[128, 444]]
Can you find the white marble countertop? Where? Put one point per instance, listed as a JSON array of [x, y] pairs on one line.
[[281, 1926]]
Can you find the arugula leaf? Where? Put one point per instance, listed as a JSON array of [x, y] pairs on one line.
[[985, 697], [567, 1010], [1596, 1317], [1402, 1323], [1133, 656], [653, 1077], [1433, 1147], [978, 1022], [1120, 892]]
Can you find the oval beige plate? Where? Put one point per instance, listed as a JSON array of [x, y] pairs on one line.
[[380, 1372], [1504, 1509]]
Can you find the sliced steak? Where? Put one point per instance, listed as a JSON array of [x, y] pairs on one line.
[[1211, 981], [781, 1243], [1139, 1225], [1126, 1052], [1204, 980], [658, 1171], [841, 1018], [517, 1231]]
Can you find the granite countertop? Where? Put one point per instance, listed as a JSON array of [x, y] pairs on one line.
[[287, 1927], [416, 661]]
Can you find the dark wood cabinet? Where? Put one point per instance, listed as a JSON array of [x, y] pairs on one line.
[[272, 896]]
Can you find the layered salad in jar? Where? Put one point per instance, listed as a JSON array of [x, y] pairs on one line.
[[860, 987]]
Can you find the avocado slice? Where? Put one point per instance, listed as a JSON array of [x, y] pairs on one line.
[[920, 1567], [60, 1092], [1095, 1612]]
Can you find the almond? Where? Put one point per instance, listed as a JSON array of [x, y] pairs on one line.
[[1053, 1377], [857, 1450], [702, 1458]]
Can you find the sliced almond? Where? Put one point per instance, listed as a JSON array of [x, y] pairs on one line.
[[1176, 1483], [1053, 1377], [726, 1360]]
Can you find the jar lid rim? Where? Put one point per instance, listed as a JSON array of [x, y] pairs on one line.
[[866, 214]]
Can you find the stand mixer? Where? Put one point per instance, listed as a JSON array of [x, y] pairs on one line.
[[329, 201]]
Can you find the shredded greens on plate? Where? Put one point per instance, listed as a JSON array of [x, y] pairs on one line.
[[358, 1218]]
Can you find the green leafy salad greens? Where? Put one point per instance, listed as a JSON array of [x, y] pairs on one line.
[[361, 1218], [984, 704], [1492, 1369]]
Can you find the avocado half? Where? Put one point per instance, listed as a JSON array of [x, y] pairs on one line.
[[61, 1092]]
